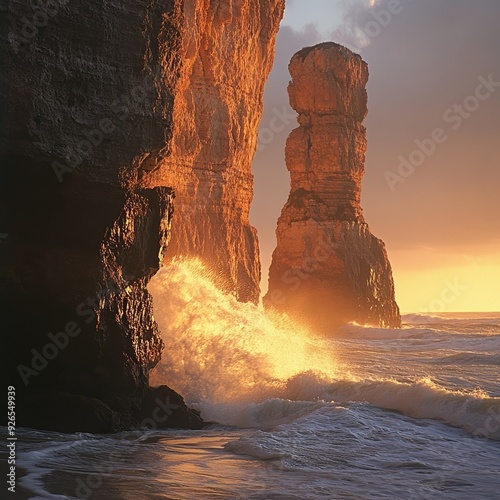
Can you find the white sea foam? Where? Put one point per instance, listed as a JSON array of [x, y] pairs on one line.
[[474, 412], [241, 367]]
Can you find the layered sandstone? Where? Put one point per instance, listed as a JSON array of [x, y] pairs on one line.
[[327, 268], [227, 53], [108, 107]]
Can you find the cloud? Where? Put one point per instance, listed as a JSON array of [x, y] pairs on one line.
[[352, 30]]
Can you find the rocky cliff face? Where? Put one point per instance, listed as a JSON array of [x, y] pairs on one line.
[[107, 107], [227, 53], [328, 268]]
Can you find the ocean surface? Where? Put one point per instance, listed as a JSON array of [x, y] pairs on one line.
[[363, 413]]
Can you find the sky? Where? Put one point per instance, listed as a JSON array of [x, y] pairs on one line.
[[437, 210]]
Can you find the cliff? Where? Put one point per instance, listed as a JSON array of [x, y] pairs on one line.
[[108, 107], [327, 268], [227, 54]]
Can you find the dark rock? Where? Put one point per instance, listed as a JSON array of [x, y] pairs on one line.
[[87, 103], [164, 408], [64, 412]]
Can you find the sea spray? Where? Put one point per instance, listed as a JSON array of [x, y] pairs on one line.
[[241, 367], [221, 350]]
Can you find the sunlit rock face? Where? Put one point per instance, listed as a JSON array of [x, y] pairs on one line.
[[225, 53], [327, 268], [107, 108]]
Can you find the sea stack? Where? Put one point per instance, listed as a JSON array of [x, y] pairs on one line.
[[328, 268]]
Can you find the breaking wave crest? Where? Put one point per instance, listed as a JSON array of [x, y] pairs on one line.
[[475, 412], [221, 350], [244, 368]]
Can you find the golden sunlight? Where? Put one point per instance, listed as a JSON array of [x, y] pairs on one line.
[[233, 350], [446, 282]]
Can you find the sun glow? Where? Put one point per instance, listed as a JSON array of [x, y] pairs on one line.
[[445, 282], [220, 349]]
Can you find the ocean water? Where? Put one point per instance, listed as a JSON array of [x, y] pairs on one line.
[[363, 413]]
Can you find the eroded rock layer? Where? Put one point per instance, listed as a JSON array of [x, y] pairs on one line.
[[327, 268], [108, 106], [227, 53]]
